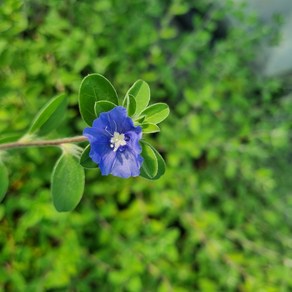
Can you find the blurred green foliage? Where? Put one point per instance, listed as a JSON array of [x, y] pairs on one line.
[[218, 220]]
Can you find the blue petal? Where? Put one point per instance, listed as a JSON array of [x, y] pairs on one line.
[[119, 121], [126, 164], [98, 150], [94, 134], [99, 143], [107, 162], [133, 143]]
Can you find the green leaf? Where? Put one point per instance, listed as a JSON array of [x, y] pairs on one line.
[[50, 116], [103, 106], [150, 128], [161, 164], [4, 181], [85, 160], [140, 91], [150, 164], [93, 88], [129, 103], [10, 138], [158, 160], [156, 113], [67, 183], [140, 120]]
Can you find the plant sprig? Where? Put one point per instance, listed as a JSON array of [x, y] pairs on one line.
[[96, 97]]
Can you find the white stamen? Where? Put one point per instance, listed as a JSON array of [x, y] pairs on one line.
[[107, 131], [117, 140]]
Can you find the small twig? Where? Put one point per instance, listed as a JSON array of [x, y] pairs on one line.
[[42, 143]]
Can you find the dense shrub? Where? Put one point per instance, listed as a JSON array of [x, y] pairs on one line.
[[219, 219]]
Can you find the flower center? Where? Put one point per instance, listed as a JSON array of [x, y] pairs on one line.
[[117, 140]]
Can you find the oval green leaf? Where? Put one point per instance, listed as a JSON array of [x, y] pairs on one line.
[[140, 120], [149, 166], [85, 160], [4, 181], [129, 103], [103, 106], [156, 113], [93, 88], [140, 91], [67, 183], [160, 163], [50, 116], [149, 128]]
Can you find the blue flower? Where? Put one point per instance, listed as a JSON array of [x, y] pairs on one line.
[[114, 143]]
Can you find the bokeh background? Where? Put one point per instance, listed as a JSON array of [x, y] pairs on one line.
[[220, 219]]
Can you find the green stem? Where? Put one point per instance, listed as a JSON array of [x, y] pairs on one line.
[[42, 143]]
